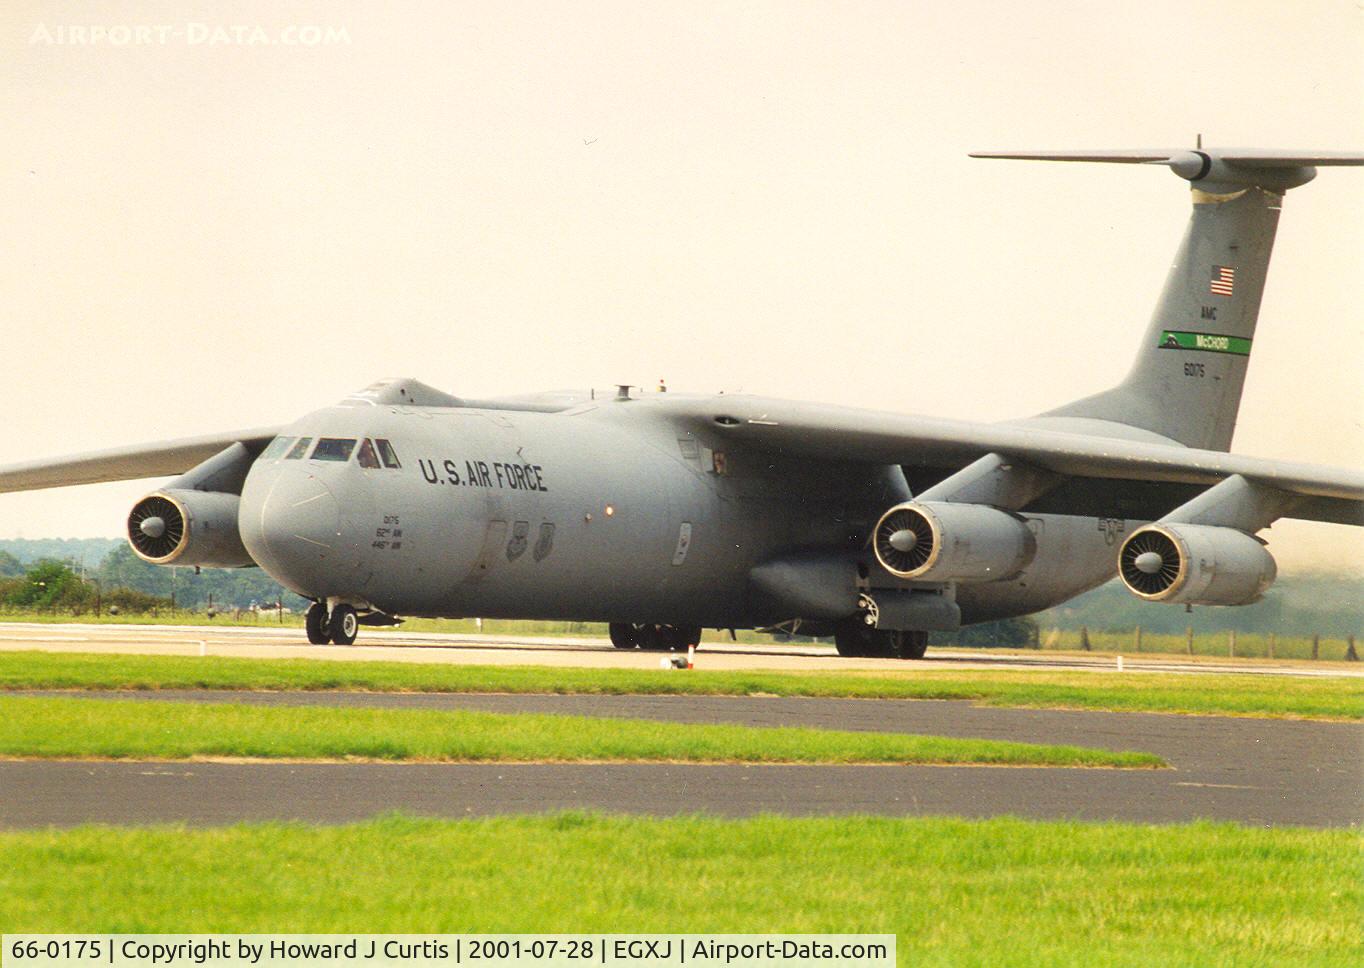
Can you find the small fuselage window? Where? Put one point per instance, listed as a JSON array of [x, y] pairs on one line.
[[389, 455], [366, 456], [276, 449], [334, 448], [297, 451]]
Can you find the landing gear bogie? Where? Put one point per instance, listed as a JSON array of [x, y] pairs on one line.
[[855, 638], [654, 638]]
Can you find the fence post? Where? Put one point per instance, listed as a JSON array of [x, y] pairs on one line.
[[1188, 640], [1138, 638], [1316, 646], [1231, 643], [1271, 645], [1350, 654], [1084, 637]]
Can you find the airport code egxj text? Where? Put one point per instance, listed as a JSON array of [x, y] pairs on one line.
[[479, 473]]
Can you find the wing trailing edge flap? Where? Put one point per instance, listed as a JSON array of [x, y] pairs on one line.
[[835, 433], [161, 459]]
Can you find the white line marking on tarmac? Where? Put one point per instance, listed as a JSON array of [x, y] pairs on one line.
[[1218, 786]]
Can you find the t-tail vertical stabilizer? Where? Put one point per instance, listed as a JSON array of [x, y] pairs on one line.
[[1186, 382]]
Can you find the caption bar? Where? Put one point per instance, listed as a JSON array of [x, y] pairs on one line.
[[445, 950]]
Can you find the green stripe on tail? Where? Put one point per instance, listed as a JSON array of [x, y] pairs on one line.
[[1207, 342]]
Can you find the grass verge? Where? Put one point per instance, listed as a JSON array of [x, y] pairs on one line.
[[992, 892], [83, 728], [1239, 695]]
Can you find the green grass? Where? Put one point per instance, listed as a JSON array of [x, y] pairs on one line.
[[1318, 698], [103, 729], [995, 892]]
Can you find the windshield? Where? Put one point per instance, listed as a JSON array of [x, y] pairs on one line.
[[334, 448], [276, 449]]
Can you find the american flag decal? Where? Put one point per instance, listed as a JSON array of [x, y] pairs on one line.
[[1223, 280]]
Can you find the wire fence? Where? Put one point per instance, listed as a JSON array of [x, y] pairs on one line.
[[1228, 644]]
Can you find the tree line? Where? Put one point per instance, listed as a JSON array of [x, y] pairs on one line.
[[126, 581]]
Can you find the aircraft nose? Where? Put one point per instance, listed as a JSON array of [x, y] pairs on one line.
[[300, 530]]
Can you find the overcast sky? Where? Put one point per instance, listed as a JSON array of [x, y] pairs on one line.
[[203, 231]]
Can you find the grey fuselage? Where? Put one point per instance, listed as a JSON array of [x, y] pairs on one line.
[[608, 510]]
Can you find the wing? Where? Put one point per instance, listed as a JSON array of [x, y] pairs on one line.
[[128, 463], [837, 433]]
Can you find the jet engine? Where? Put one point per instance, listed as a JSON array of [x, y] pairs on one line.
[[185, 527], [1195, 564], [937, 541]]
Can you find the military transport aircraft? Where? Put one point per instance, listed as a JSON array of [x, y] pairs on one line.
[[664, 513]]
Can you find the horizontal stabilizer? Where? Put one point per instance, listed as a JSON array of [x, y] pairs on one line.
[[1248, 157]]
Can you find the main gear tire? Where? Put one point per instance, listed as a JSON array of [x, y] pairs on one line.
[[623, 635], [913, 644], [855, 639]]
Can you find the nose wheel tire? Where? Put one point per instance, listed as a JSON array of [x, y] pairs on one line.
[[343, 625], [316, 624]]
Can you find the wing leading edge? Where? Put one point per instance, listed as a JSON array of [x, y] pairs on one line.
[[159, 459]]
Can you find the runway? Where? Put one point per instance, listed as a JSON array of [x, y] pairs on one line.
[[1252, 771], [398, 646]]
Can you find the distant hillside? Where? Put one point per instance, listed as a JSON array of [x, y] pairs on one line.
[[1326, 604], [90, 551]]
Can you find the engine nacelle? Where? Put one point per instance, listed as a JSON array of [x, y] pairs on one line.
[[185, 527], [938, 541], [1195, 564]]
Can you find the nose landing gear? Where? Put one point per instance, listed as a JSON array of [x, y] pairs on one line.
[[340, 626]]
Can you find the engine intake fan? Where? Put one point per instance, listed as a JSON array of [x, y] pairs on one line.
[[156, 528], [1150, 563], [904, 540]]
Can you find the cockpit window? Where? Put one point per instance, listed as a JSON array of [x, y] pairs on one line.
[[366, 456], [297, 451], [334, 448], [389, 455], [276, 449]]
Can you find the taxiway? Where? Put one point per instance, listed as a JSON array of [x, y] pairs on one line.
[[1252, 771], [399, 646]]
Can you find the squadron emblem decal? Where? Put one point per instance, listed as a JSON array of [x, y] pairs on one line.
[[546, 543], [516, 547]]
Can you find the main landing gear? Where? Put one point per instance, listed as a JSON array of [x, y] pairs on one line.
[[340, 627], [855, 638], [654, 638]]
